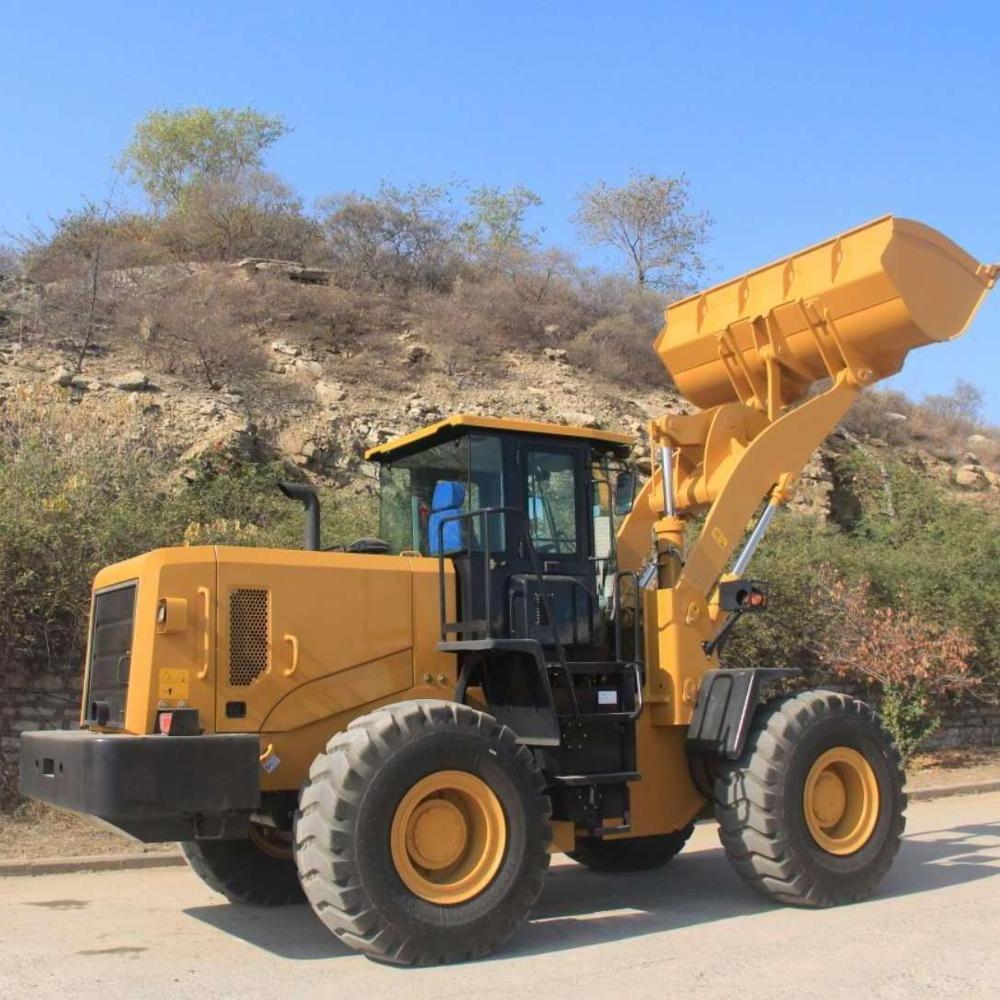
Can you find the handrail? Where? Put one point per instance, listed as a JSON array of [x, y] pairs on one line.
[[483, 513]]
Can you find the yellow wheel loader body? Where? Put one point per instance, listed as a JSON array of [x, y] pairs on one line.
[[579, 643]]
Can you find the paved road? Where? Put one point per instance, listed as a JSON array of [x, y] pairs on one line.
[[692, 930]]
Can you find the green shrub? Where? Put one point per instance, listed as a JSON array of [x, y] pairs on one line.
[[911, 715], [919, 571]]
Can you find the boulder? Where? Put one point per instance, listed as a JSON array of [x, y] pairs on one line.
[[971, 477], [580, 419], [977, 439], [554, 353], [896, 418], [290, 269], [312, 368], [62, 377], [415, 352], [286, 348], [135, 381]]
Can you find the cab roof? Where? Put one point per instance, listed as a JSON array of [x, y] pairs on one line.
[[450, 427]]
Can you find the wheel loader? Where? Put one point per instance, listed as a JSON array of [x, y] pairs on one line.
[[530, 658]]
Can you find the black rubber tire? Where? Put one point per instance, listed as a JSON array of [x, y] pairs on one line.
[[759, 801], [243, 873], [634, 854], [704, 771], [345, 816]]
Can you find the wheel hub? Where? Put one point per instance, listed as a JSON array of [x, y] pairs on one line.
[[829, 799], [448, 837], [437, 834], [841, 801]]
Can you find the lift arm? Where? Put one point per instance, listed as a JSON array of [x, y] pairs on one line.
[[749, 353]]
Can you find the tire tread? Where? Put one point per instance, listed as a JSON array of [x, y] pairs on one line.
[[748, 794], [331, 799]]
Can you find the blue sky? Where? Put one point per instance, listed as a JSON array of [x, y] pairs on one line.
[[792, 121]]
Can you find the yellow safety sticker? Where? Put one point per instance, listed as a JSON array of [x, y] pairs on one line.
[[173, 684]]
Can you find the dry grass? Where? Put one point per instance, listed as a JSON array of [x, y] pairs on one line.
[[941, 431]]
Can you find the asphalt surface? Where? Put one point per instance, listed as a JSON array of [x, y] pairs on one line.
[[690, 930]]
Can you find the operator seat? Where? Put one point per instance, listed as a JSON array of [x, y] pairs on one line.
[[448, 498]]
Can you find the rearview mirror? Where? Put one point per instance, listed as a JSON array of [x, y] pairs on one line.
[[624, 493]]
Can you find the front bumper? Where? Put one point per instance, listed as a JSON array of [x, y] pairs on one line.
[[154, 788]]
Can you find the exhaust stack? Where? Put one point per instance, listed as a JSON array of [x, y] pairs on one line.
[[306, 495]]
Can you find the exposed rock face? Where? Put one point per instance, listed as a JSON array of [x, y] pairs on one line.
[[284, 268], [329, 393], [313, 403], [814, 490]]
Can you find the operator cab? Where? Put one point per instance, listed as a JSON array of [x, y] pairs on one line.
[[527, 513]]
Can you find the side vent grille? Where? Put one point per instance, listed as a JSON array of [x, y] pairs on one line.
[[249, 635]]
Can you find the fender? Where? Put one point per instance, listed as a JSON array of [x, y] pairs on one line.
[[725, 708]]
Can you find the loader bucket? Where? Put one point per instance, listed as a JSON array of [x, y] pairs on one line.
[[859, 303]]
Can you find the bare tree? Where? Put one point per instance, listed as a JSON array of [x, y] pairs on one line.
[[253, 214], [88, 327], [397, 235], [648, 221], [963, 403], [72, 260], [11, 263], [192, 329]]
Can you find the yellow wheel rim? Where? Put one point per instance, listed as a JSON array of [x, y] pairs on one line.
[[271, 842], [841, 801], [448, 837]]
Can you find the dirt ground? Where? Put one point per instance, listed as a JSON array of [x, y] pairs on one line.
[[42, 832], [946, 767]]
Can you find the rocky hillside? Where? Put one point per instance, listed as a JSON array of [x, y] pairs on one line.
[[285, 382], [306, 398]]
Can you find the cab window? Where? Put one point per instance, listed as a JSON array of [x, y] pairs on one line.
[[420, 493], [551, 501]]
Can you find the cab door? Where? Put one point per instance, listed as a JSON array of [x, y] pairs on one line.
[[554, 486]]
